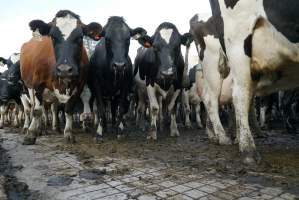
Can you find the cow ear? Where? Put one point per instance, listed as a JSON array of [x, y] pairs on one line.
[[43, 28], [187, 39], [137, 33], [93, 30], [145, 41], [3, 61]]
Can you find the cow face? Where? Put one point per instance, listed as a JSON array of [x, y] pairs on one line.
[[166, 43], [117, 35], [13, 65], [66, 31]]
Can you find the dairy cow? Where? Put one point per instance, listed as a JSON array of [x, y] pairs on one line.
[[54, 66], [260, 39], [159, 72]]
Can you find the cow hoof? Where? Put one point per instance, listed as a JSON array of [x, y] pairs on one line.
[[120, 136], [175, 133], [152, 135], [225, 141], [24, 130], [251, 158], [188, 126], [98, 139], [213, 140], [70, 139], [236, 141], [29, 141]]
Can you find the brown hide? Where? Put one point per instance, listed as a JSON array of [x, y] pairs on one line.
[[37, 63]]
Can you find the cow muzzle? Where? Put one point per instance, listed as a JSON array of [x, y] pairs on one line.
[[119, 66], [169, 73], [65, 71]]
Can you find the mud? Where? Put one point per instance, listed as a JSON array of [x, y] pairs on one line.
[[190, 154], [14, 190]]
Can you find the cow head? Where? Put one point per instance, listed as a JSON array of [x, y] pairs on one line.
[[166, 44], [66, 31], [117, 35], [13, 68]]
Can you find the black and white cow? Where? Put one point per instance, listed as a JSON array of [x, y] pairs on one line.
[[260, 39], [159, 72], [10, 88], [111, 74]]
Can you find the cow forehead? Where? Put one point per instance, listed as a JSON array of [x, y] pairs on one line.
[[166, 34], [66, 25], [15, 58]]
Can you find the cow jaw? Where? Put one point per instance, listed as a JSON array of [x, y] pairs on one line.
[[66, 25]]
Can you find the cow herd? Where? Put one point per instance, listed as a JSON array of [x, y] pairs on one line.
[[246, 50]]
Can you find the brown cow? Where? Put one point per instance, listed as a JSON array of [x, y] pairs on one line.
[[54, 66]]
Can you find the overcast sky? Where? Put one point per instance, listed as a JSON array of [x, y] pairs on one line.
[[15, 16]]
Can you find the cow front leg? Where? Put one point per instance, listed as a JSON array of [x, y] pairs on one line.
[[54, 111], [140, 111], [154, 111], [172, 109], [3, 110], [68, 135], [100, 114], [33, 130], [15, 117], [86, 116], [187, 109], [161, 124], [27, 108], [197, 116]]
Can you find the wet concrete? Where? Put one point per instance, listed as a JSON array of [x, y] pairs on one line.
[[188, 167]]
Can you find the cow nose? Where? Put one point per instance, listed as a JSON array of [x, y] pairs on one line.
[[119, 65], [64, 70], [167, 73]]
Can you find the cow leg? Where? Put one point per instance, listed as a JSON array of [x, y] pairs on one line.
[[212, 108], [197, 116], [86, 115], [68, 135], [140, 111], [161, 124], [114, 106], [45, 120], [3, 110], [33, 129], [254, 123], [100, 112], [68, 130], [16, 113], [154, 111], [27, 108], [172, 109], [187, 109], [54, 112], [242, 98], [123, 108]]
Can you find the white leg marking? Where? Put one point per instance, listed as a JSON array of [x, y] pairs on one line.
[[154, 110], [68, 127]]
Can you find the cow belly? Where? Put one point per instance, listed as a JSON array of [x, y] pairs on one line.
[[275, 60], [271, 51]]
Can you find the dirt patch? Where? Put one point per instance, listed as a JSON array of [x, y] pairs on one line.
[[14, 190]]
